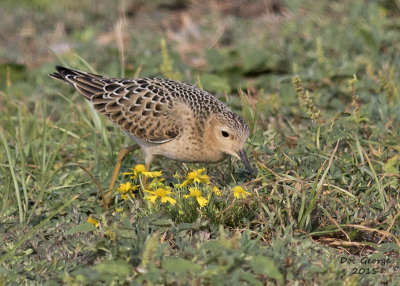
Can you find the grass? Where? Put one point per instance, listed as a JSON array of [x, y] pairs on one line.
[[318, 85]]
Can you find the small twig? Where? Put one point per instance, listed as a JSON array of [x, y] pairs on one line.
[[92, 177]]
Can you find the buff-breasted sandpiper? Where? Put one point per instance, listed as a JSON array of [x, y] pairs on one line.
[[164, 117]]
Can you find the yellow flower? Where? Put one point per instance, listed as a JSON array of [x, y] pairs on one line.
[[119, 210], [162, 194], [196, 176], [125, 189], [238, 192], [141, 169], [216, 191], [93, 221], [195, 192]]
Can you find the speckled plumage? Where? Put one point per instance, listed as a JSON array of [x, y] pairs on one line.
[[165, 117]]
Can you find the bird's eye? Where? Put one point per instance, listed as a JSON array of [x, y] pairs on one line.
[[225, 134]]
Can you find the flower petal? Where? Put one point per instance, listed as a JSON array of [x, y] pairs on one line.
[[151, 198], [93, 221], [185, 183], [152, 174], [170, 200], [202, 201]]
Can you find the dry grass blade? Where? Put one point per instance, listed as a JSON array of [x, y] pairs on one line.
[[337, 242], [390, 226], [370, 229]]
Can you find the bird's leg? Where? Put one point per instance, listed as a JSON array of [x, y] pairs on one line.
[[143, 182], [121, 156]]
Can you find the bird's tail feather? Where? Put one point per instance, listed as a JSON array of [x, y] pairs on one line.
[[87, 84]]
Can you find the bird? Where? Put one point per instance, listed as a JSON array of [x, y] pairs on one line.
[[164, 117]]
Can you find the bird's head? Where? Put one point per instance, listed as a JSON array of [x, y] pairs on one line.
[[229, 133]]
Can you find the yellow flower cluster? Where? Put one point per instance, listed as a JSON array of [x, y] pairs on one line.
[[159, 189], [156, 190], [196, 176], [127, 189], [238, 192], [195, 192], [141, 169], [162, 194]]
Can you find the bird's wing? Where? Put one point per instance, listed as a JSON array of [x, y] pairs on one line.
[[138, 106]]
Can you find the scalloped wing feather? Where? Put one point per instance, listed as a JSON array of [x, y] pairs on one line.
[[135, 106]]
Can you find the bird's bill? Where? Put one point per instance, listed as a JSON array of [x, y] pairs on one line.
[[245, 160]]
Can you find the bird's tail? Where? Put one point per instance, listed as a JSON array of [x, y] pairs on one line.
[[87, 84]]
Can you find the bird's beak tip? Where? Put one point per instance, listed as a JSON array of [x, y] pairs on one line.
[[245, 160]]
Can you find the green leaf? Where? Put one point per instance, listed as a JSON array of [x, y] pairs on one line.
[[212, 82], [118, 268], [180, 265], [212, 246], [251, 59], [221, 59], [265, 265], [162, 222], [184, 226], [85, 227], [391, 165], [388, 247]]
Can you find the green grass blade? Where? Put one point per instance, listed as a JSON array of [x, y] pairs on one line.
[[11, 164]]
